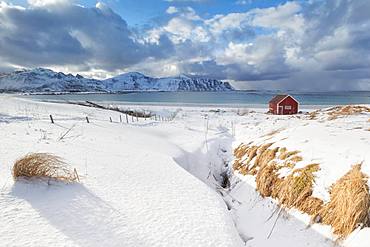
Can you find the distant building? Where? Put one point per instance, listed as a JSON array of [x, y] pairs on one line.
[[283, 105]]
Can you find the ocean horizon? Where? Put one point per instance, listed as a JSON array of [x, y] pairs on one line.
[[246, 98]]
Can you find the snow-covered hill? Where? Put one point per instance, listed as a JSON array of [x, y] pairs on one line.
[[46, 80]]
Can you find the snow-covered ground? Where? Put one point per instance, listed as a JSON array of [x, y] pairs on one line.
[[152, 183]]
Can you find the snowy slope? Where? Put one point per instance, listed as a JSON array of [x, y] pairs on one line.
[[45, 80], [139, 82], [132, 192]]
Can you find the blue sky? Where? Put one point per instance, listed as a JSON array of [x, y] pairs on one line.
[[139, 12], [314, 45]]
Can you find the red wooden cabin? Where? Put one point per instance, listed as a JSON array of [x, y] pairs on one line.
[[283, 105]]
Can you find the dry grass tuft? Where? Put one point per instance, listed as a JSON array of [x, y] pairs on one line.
[[43, 165], [295, 158], [311, 205], [264, 155], [313, 115], [347, 110], [266, 179], [285, 155], [239, 153], [297, 186], [349, 204]]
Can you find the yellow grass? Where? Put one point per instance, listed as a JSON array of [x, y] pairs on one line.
[[297, 186], [266, 179], [313, 115], [338, 111], [239, 153], [43, 165], [286, 154], [264, 155], [311, 205], [348, 207]]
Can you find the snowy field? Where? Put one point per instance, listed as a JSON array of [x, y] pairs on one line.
[[158, 183]]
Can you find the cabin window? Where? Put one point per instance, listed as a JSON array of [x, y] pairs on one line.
[[288, 107]]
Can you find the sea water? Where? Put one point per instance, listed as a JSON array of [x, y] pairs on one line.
[[232, 99]]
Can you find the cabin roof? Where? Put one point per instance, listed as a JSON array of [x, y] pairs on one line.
[[278, 98]]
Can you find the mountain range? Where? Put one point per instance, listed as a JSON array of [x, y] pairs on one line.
[[42, 80]]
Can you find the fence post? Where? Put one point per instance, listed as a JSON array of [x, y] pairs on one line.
[[126, 118], [132, 118], [137, 118], [120, 118], [87, 120], [51, 118], [110, 118]]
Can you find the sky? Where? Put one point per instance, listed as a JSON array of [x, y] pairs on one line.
[[311, 45]]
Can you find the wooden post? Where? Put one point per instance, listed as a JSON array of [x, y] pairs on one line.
[[120, 118], [155, 117], [137, 118], [110, 118], [87, 120], [51, 118], [132, 118], [126, 118]]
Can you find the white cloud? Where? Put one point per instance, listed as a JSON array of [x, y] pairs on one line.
[[48, 2], [285, 16], [172, 10]]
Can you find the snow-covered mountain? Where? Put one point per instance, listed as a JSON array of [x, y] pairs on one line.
[[139, 82], [46, 80]]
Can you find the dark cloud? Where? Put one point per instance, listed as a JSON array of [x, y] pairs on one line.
[[71, 35]]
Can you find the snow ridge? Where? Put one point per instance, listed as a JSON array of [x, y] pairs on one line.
[[46, 80]]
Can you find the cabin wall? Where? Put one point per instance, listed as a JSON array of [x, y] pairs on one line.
[[290, 106]]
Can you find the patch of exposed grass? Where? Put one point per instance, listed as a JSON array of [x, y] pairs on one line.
[[43, 165], [297, 186], [349, 205]]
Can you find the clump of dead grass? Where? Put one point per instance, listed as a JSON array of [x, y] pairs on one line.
[[284, 154], [313, 115], [347, 110], [264, 155], [43, 165], [267, 178], [340, 111], [349, 205], [297, 186], [311, 206], [239, 153]]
